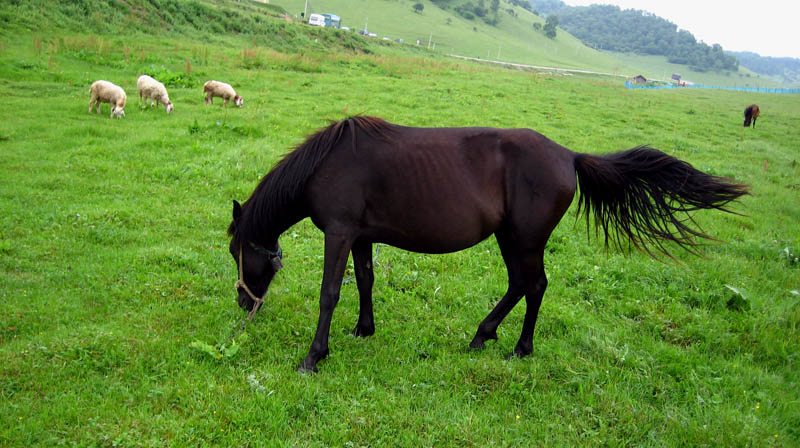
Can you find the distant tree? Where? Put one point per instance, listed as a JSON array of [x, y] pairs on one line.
[[495, 8], [547, 7], [418, 7], [525, 4], [537, 26], [550, 25], [480, 9], [469, 10]]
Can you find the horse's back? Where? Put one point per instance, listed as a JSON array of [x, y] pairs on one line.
[[437, 189]]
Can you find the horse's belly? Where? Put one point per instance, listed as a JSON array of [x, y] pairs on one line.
[[432, 230]]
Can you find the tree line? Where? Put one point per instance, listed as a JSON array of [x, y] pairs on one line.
[[784, 69], [486, 10], [607, 27]]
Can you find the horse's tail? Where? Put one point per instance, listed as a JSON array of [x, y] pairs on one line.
[[643, 195]]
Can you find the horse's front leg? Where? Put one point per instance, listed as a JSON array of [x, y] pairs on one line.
[[337, 246], [362, 262]]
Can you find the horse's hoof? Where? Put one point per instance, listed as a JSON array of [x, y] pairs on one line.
[[477, 345], [304, 369], [517, 353], [363, 332], [479, 341]]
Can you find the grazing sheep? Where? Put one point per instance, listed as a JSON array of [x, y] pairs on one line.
[[106, 92], [155, 91], [222, 90], [751, 113]]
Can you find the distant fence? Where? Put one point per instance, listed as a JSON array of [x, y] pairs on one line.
[[630, 85]]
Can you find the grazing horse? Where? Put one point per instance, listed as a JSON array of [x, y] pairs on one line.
[[437, 190], [751, 112]]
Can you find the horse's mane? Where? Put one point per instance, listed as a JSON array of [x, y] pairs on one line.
[[286, 181]]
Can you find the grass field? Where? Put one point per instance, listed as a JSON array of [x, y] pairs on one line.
[[117, 310]]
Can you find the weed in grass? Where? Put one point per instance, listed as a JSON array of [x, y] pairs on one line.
[[37, 45], [789, 256], [737, 300]]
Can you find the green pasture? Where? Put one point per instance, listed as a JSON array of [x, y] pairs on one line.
[[118, 319]]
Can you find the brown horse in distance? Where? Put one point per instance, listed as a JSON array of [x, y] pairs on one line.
[[436, 190], [751, 112]]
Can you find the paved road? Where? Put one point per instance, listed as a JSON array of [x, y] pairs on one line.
[[539, 67]]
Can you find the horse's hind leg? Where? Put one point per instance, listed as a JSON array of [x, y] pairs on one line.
[[516, 288], [533, 297], [522, 246], [362, 262]]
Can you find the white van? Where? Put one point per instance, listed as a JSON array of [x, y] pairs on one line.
[[316, 20]]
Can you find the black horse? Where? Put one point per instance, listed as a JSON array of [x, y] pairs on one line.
[[437, 190]]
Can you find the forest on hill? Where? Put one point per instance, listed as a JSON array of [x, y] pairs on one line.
[[607, 27], [486, 10], [784, 69]]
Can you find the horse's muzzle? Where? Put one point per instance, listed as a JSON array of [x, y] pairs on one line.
[[245, 302]]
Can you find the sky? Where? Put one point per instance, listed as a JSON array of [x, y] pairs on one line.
[[766, 27]]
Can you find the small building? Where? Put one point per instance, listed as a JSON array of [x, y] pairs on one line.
[[639, 79]]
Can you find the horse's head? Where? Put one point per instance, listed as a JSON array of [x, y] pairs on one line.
[[257, 265]]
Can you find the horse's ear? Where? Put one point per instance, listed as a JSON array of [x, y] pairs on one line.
[[237, 210]]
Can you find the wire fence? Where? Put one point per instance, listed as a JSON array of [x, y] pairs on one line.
[[630, 85]]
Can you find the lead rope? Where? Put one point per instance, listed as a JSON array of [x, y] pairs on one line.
[[258, 301], [240, 283]]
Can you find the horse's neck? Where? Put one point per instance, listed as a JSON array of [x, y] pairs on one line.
[[280, 224]]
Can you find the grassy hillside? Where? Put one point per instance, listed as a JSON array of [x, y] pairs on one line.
[[208, 21], [117, 308], [514, 38]]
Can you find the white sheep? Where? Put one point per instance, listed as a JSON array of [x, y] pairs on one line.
[[222, 90], [106, 92], [155, 91]]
